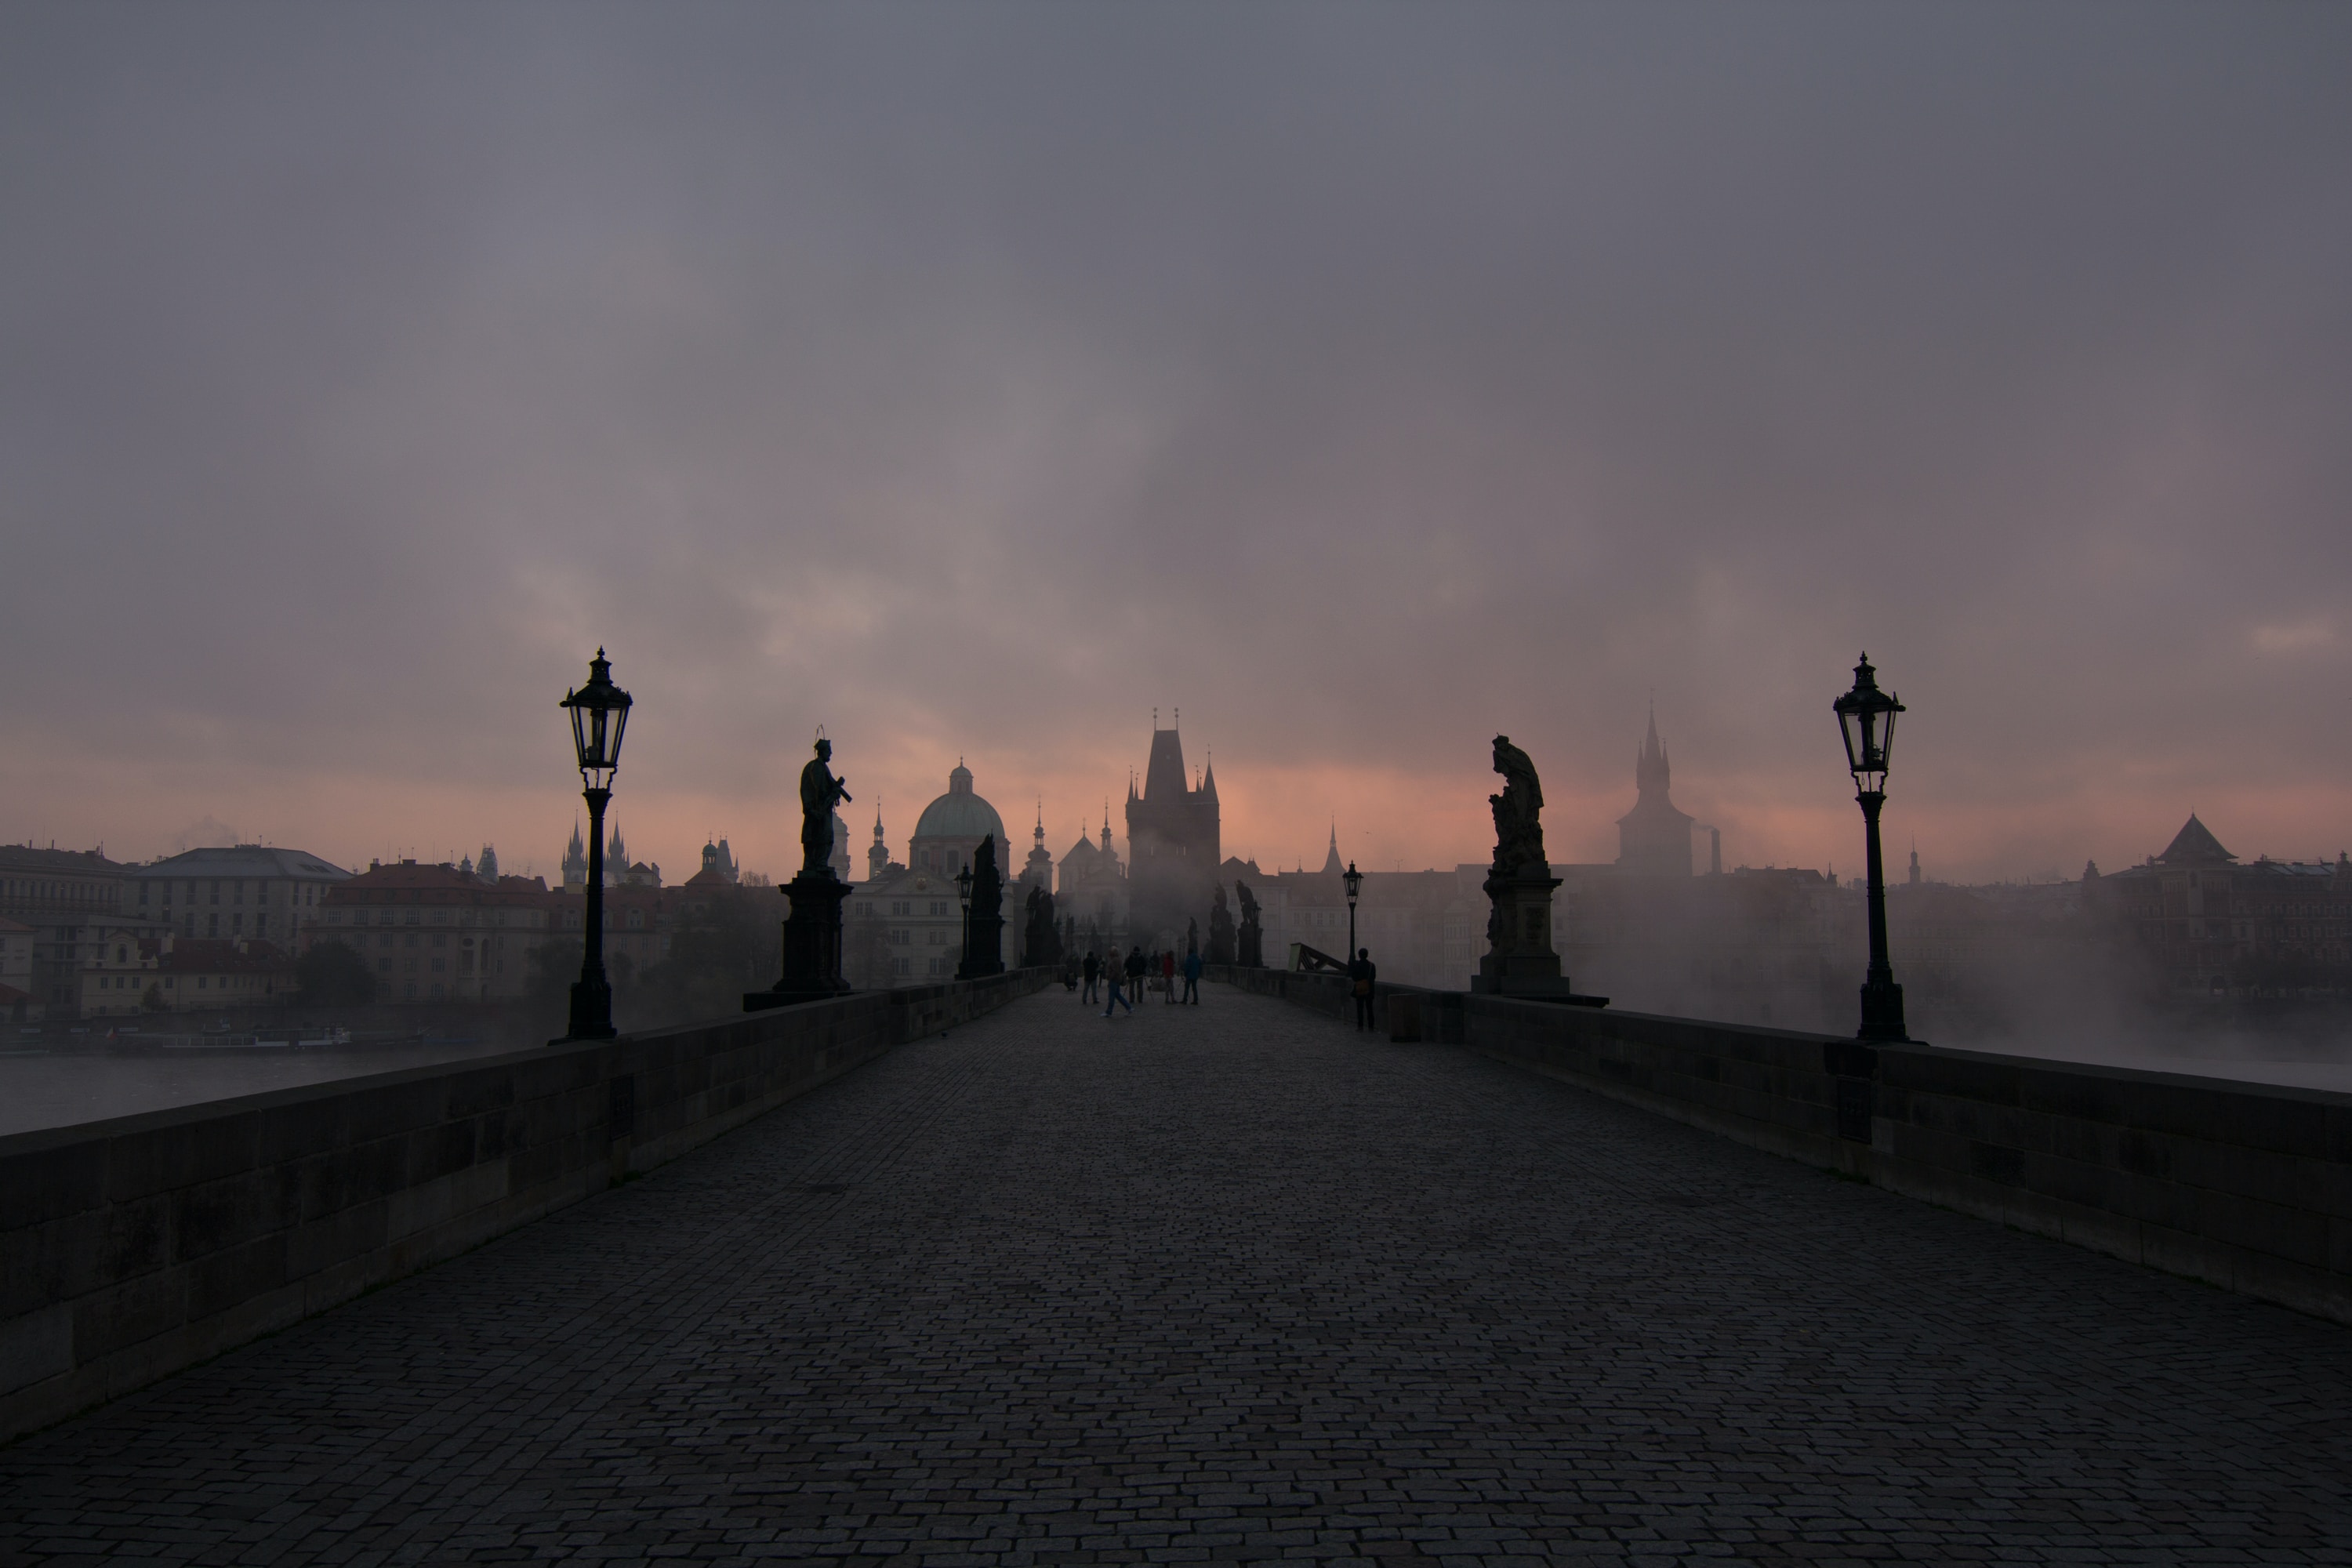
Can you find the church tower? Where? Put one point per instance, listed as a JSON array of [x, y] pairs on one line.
[[575, 862], [1653, 839], [1039, 870], [878, 854], [1173, 842]]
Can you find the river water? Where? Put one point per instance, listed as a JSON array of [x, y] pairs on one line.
[[44, 1087]]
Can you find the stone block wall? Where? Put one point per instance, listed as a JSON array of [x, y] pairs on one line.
[[132, 1247], [2247, 1186]]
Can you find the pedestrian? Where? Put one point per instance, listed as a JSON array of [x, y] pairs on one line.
[[1110, 983], [1360, 975], [1192, 977], [1136, 964], [1168, 977], [1093, 972]]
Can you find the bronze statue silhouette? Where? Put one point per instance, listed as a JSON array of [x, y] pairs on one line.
[[1519, 815], [820, 792]]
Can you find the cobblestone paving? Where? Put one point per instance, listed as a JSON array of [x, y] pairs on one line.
[[1230, 1284]]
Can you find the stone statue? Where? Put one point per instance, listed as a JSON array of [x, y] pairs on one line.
[[1253, 940], [1519, 815], [820, 792], [1221, 927], [983, 952], [1041, 938], [1191, 935]]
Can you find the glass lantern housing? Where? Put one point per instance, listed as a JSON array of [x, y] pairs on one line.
[[1866, 721], [600, 713], [1355, 881]]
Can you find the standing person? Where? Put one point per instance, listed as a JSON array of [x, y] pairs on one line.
[[1111, 998], [1135, 967], [1093, 971], [1360, 975], [1168, 977], [1192, 977]]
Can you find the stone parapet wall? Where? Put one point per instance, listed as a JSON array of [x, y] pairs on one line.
[[2247, 1186], [132, 1247]]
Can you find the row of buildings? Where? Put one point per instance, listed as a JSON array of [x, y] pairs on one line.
[[222, 928], [83, 935]]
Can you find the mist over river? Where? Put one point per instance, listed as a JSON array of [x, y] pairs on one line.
[[59, 1087]]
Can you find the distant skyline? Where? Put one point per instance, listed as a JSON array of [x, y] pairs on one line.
[[1362, 381]]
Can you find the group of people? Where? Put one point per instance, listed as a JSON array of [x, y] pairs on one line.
[[1124, 976]]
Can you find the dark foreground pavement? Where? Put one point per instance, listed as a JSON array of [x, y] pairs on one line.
[[1230, 1284]]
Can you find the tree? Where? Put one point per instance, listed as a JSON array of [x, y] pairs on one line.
[[331, 975]]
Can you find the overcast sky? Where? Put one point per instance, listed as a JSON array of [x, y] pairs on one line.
[[972, 380]]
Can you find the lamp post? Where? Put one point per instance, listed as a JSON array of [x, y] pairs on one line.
[[600, 712], [1866, 720], [1355, 883], [963, 897]]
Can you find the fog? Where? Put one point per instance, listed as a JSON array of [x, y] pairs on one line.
[[1362, 382]]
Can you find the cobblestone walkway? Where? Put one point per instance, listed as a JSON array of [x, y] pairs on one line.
[[1230, 1284]]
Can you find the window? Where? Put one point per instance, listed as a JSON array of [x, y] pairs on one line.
[[412, 917], [439, 965], [235, 924], [384, 939], [411, 939], [383, 965], [215, 893], [261, 925], [237, 892], [440, 940], [211, 925]]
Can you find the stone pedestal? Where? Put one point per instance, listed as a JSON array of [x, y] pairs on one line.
[[1520, 960], [812, 970]]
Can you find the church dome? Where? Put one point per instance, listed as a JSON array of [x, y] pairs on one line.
[[959, 814]]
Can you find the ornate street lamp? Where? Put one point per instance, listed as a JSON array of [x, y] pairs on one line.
[[600, 712], [1866, 719], [1354, 882], [963, 897]]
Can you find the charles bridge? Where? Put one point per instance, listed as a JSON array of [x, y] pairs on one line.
[[968, 1274]]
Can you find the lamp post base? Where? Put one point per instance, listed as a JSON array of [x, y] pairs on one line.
[[592, 1012], [1882, 1013]]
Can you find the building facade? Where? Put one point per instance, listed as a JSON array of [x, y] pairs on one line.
[[433, 933], [2203, 926], [171, 974], [77, 902], [222, 895]]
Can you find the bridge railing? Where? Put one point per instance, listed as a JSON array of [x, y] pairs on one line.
[[2244, 1185], [135, 1247]]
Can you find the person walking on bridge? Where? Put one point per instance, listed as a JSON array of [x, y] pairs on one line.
[[1136, 967], [1111, 998], [1168, 977], [1192, 977], [1093, 972], [1361, 973]]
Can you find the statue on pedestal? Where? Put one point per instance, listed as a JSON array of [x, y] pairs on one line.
[[1041, 938], [1221, 928], [812, 935], [1253, 940], [1520, 960], [983, 925]]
